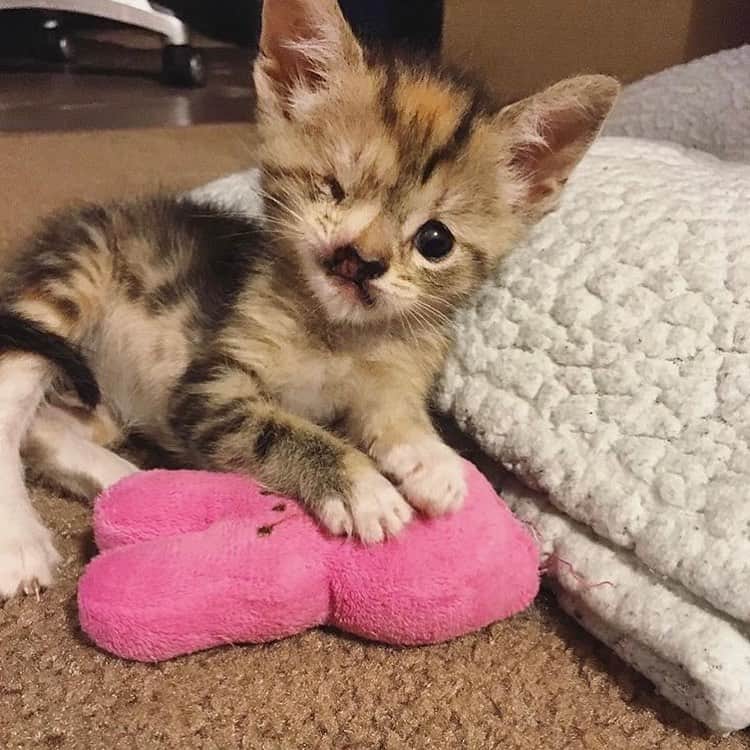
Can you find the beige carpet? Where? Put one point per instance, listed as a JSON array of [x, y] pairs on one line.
[[536, 681]]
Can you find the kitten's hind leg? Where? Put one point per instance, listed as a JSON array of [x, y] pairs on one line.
[[27, 555], [66, 448], [52, 297]]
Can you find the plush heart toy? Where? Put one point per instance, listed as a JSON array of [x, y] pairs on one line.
[[194, 559]]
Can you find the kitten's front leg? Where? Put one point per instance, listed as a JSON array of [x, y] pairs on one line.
[[398, 433], [338, 484]]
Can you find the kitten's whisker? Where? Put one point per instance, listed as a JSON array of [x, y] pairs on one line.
[[429, 310], [419, 318], [430, 296], [432, 310], [413, 333], [425, 324], [283, 206], [424, 315], [405, 319]]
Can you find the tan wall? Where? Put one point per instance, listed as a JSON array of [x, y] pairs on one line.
[[520, 45]]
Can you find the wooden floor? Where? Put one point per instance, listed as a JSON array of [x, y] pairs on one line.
[[115, 83]]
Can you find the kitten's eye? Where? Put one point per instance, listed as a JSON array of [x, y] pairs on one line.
[[334, 186], [433, 240]]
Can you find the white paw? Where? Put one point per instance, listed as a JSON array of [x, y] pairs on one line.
[[372, 510], [28, 558], [428, 473], [113, 469]]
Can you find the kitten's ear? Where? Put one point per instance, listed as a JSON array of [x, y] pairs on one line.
[[548, 134], [301, 43]]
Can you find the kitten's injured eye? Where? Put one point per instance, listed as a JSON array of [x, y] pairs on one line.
[[334, 187], [433, 240]]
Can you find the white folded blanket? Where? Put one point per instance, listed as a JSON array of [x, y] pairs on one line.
[[608, 366]]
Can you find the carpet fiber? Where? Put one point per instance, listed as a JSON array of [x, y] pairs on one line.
[[537, 681]]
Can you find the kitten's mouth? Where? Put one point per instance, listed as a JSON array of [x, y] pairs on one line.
[[360, 291]]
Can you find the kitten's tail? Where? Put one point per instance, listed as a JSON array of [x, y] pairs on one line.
[[20, 334]]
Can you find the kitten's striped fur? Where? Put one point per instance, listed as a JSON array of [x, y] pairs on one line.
[[228, 341]]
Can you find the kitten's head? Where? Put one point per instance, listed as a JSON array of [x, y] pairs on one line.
[[397, 188]]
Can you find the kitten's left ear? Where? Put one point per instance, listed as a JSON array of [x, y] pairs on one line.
[[548, 134], [301, 43]]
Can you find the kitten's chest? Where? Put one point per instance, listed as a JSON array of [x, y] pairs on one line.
[[315, 385]]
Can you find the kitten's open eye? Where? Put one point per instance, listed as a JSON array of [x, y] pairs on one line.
[[433, 240], [335, 189]]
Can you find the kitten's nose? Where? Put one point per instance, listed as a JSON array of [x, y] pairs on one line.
[[348, 264]]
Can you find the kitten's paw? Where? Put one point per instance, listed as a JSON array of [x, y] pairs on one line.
[[428, 473], [373, 509], [28, 558]]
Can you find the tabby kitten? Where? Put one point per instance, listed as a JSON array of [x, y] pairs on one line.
[[301, 347]]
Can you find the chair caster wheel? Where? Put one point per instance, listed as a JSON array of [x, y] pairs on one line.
[[182, 65], [52, 44]]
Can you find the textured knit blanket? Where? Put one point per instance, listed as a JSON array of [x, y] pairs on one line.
[[608, 367]]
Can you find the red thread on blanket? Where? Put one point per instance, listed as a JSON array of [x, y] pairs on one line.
[[550, 562], [553, 560]]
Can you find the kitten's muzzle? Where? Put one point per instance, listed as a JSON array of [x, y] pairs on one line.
[[348, 266]]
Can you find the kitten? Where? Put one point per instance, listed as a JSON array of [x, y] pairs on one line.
[[300, 348]]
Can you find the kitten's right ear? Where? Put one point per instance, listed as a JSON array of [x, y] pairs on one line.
[[302, 44], [548, 134]]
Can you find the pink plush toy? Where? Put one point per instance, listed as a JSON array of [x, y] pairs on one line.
[[194, 559]]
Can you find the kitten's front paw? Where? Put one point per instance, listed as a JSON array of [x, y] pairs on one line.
[[428, 473], [28, 558], [372, 510]]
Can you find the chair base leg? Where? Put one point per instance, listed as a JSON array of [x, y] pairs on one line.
[[182, 65]]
